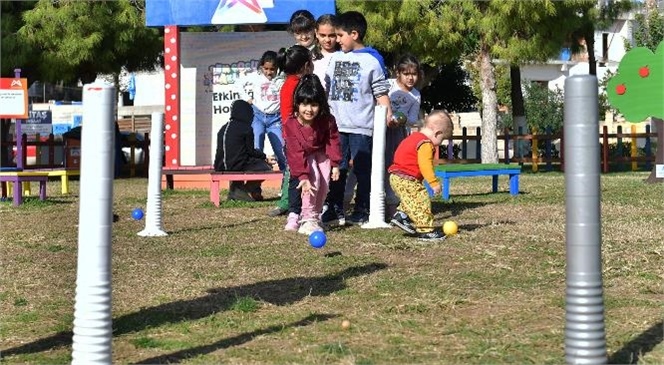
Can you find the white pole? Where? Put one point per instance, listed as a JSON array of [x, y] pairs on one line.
[[377, 196], [153, 215], [92, 310]]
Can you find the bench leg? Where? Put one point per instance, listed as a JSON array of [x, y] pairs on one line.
[[446, 188], [27, 191], [18, 193], [494, 183], [514, 184], [64, 184], [169, 182], [214, 192], [3, 189], [42, 190]]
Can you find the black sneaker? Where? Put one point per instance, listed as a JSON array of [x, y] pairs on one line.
[[333, 217], [435, 235], [358, 217], [401, 220], [241, 195]]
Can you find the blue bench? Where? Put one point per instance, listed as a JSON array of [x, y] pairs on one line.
[[446, 172]]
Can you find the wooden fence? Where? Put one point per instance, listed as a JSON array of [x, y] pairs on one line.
[[67, 148], [621, 155]]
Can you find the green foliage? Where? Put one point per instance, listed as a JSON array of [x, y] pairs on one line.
[[648, 30], [449, 90], [69, 40], [544, 108]]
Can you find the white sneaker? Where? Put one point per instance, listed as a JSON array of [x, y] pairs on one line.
[[309, 226]]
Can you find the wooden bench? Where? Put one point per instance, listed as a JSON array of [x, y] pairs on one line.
[[448, 171], [217, 177], [184, 170], [17, 178]]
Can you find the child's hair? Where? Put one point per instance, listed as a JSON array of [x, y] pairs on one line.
[[291, 60], [326, 19], [352, 21], [309, 91], [448, 126], [268, 56], [407, 62], [302, 21]]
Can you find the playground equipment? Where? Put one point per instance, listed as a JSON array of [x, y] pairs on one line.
[[585, 338], [153, 216], [92, 310], [377, 201]]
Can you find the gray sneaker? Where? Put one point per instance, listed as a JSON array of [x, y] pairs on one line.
[[435, 235], [401, 220]]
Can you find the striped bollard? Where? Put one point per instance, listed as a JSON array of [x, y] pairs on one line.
[[92, 310], [153, 214]]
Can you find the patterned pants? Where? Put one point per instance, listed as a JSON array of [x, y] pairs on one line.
[[414, 202]]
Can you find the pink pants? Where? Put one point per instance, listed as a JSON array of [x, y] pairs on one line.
[[319, 177]]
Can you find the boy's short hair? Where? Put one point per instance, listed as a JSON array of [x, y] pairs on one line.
[[352, 21], [448, 127]]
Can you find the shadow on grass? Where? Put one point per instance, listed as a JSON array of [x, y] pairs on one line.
[[181, 355], [631, 352], [454, 208], [277, 292], [232, 225]]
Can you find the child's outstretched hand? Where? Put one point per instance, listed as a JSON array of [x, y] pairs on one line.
[[335, 173], [437, 189], [306, 187]]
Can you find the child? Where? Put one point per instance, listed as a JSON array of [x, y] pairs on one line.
[[413, 162], [295, 62], [404, 98], [302, 26], [236, 152], [312, 147], [327, 40], [261, 90], [356, 81]]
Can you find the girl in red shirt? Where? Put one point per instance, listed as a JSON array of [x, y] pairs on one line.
[[312, 148]]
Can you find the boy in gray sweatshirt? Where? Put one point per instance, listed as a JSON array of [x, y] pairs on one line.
[[357, 81]]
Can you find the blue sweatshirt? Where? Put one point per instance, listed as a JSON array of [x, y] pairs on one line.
[[355, 80]]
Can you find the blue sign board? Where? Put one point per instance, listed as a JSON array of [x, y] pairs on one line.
[[213, 12]]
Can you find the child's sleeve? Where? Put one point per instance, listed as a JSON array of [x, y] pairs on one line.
[[425, 162], [333, 148], [241, 87], [286, 102]]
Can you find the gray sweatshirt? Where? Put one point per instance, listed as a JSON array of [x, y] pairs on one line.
[[355, 80]]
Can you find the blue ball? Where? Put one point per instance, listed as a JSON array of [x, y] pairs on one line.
[[317, 239], [137, 214]]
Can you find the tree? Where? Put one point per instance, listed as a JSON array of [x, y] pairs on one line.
[[80, 39], [648, 31], [476, 30]]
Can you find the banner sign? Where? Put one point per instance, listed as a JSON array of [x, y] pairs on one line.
[[211, 63], [212, 12], [13, 98], [38, 122]]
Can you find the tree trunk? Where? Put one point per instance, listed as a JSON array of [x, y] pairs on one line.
[[489, 107], [518, 110], [590, 48], [659, 151]]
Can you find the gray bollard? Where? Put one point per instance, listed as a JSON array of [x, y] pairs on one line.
[[585, 338]]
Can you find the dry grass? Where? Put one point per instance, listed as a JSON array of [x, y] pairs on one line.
[[228, 285]]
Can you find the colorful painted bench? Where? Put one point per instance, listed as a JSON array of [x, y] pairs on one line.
[[447, 172], [17, 178]]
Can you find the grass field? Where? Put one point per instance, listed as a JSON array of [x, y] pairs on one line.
[[228, 285]]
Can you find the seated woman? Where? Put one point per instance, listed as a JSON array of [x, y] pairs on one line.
[[236, 152]]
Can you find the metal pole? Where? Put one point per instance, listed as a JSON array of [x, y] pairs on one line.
[[19, 133], [92, 310], [377, 201], [585, 339]]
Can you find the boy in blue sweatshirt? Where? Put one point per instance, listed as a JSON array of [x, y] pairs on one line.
[[356, 83]]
